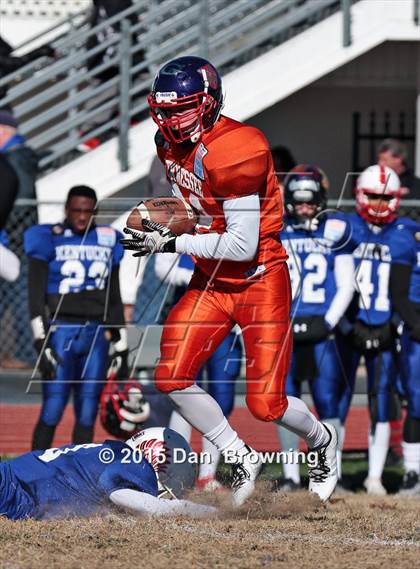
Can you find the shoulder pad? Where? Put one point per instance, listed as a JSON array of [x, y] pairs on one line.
[[106, 235], [334, 229], [160, 140], [57, 229]]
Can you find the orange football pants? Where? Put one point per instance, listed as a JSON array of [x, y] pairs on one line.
[[206, 314]]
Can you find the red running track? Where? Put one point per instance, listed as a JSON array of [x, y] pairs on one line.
[[17, 423]]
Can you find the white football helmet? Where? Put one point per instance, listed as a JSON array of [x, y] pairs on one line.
[[168, 452], [383, 182]]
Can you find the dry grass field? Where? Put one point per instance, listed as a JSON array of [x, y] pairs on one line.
[[271, 531]]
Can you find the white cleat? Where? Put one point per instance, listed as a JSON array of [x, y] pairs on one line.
[[374, 487], [323, 477], [245, 472]]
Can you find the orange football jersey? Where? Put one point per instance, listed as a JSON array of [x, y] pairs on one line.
[[230, 161]]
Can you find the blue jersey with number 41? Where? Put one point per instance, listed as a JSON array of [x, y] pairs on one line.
[[75, 479], [376, 247], [75, 262]]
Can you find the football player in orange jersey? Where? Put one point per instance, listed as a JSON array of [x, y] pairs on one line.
[[224, 170]]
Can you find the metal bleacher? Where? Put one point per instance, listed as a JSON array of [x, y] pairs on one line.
[[51, 97]]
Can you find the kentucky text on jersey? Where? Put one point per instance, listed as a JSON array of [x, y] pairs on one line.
[[82, 253]]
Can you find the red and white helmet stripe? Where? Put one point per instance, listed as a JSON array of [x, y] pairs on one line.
[[379, 181]]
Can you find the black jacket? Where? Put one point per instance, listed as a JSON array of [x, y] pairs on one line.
[[8, 190], [410, 181], [24, 162]]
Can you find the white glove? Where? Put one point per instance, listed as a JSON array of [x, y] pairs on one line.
[[159, 239]]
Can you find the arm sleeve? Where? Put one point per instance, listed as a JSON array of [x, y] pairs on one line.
[[169, 270], [9, 190], [399, 288], [37, 287], [344, 278], [116, 309], [9, 264], [147, 505], [240, 240]]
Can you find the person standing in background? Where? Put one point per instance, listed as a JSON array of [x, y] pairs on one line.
[[9, 189], [76, 310], [9, 262], [393, 153], [24, 162], [405, 296]]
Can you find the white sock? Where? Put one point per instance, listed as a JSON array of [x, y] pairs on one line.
[[204, 414], [227, 441], [301, 421], [341, 436], [179, 424], [212, 456], [290, 445], [335, 422], [378, 449], [411, 456]]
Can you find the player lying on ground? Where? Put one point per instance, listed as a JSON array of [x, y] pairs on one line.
[[224, 170], [81, 480]]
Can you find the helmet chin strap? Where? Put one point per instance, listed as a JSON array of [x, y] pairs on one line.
[[308, 224], [165, 491], [196, 137]]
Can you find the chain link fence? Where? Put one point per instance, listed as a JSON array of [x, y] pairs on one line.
[[15, 331]]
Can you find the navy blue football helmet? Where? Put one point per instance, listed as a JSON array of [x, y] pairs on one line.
[[305, 184], [186, 98]]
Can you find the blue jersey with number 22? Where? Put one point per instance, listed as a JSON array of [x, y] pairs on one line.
[[75, 262]]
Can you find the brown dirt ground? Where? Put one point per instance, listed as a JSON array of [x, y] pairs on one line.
[[271, 531]]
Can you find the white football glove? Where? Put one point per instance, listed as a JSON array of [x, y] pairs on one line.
[[159, 239]]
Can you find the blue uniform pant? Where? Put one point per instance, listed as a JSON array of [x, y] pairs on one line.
[[325, 385], [381, 376], [83, 350], [410, 357], [223, 368]]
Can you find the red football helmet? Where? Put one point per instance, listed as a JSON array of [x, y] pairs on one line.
[[382, 183], [169, 454], [123, 408]]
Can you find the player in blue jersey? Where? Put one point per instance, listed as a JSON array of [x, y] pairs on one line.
[[76, 310], [379, 240], [222, 368], [405, 294], [321, 268], [86, 479]]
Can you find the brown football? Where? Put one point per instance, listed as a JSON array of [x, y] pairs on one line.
[[173, 213]]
